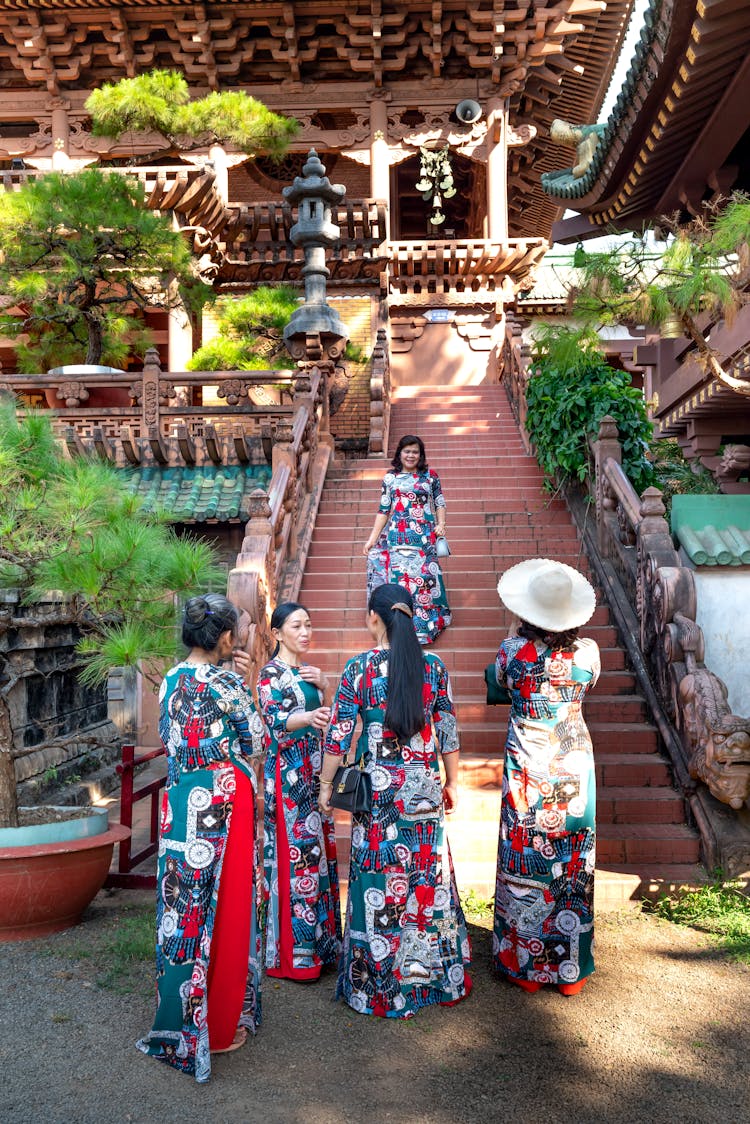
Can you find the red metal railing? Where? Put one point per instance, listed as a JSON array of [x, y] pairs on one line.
[[129, 796]]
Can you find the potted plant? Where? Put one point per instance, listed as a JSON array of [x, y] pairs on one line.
[[71, 526]]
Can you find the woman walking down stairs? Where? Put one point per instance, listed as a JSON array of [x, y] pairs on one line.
[[497, 515]]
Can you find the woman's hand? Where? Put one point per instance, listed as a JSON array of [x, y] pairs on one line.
[[243, 663], [313, 675], [368, 547], [324, 799], [319, 718], [450, 797]]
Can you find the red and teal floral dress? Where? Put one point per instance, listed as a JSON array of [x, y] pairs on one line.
[[406, 944], [207, 924], [405, 551], [544, 896], [300, 883]]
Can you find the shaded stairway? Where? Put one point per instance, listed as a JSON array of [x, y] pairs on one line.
[[498, 515]]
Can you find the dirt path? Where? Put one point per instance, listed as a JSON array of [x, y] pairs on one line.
[[660, 1034]]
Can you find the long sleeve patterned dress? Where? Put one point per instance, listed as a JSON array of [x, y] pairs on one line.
[[405, 941], [300, 885], [405, 551], [544, 898], [208, 934]]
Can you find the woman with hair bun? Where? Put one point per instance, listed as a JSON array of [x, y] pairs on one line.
[[303, 925], [405, 943], [402, 546], [207, 930]]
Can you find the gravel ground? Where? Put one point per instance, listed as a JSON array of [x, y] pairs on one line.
[[659, 1035]]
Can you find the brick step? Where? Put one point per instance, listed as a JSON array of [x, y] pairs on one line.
[[462, 524], [613, 771], [482, 595], [469, 660], [647, 842], [470, 540], [455, 569], [612, 740], [494, 508], [472, 708], [346, 491], [638, 804], [457, 637], [480, 616]]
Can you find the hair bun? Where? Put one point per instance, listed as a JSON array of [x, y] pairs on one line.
[[197, 610]]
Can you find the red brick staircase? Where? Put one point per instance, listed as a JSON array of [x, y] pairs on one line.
[[498, 515]]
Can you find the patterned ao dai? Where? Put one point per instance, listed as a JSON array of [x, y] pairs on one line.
[[405, 942], [544, 900], [303, 926], [405, 551], [208, 933]]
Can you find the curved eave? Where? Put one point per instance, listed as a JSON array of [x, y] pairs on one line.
[[670, 96]]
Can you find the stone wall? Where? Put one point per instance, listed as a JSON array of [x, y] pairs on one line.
[[61, 729]]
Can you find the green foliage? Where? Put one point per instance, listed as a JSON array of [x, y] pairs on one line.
[[80, 256], [160, 102], [673, 475], [696, 271], [72, 526], [250, 332], [720, 909], [571, 390]]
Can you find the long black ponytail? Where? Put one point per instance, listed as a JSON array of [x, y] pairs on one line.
[[404, 712]]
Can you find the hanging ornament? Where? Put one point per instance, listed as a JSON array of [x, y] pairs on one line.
[[435, 181]]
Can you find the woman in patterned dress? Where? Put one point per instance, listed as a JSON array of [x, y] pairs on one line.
[[544, 899], [405, 942], [402, 544], [207, 931], [303, 926]]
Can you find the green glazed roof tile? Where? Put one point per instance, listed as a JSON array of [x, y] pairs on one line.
[[713, 530], [193, 495]]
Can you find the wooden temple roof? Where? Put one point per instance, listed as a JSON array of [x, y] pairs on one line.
[[550, 58], [678, 134]]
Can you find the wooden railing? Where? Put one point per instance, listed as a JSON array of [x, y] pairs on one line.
[[656, 598], [380, 396]]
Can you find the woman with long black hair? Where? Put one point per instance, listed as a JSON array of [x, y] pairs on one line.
[[300, 885], [405, 943], [403, 544]]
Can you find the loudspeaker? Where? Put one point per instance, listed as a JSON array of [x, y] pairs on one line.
[[468, 111]]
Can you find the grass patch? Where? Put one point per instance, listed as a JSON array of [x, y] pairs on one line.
[[719, 909], [119, 952], [477, 907]]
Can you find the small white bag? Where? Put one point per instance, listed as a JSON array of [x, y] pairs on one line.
[[441, 547]]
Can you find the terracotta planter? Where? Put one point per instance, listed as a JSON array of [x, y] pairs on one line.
[[47, 886]]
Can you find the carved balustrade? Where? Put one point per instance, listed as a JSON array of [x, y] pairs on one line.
[[634, 536], [156, 417], [514, 373], [380, 396], [468, 269]]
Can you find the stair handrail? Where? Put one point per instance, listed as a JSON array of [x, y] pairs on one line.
[[640, 567], [380, 396]]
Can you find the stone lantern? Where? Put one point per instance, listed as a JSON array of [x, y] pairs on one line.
[[314, 195]]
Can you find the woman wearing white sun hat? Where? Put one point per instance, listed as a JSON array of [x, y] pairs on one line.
[[544, 897]]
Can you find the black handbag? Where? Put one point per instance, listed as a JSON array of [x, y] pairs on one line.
[[352, 788], [497, 695]]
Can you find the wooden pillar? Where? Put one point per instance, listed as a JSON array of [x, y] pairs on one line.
[[60, 134], [380, 168], [497, 170], [180, 335], [220, 162]]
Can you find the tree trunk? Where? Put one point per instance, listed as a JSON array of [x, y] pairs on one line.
[[741, 386], [95, 342], [8, 798]]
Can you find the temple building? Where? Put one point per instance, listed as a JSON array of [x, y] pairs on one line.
[[387, 93], [677, 141]]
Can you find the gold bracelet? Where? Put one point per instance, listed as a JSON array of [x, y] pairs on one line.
[[327, 783]]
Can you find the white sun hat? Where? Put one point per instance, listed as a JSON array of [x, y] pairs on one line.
[[547, 594]]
